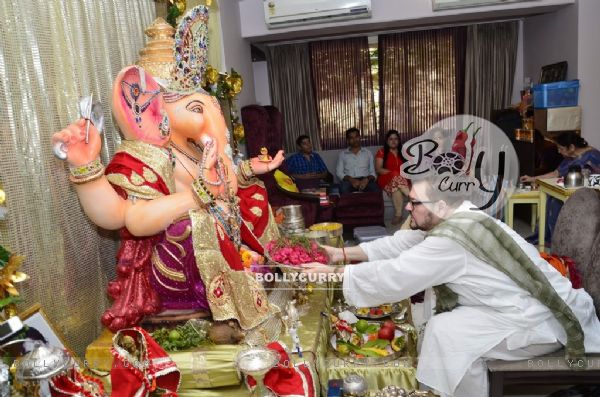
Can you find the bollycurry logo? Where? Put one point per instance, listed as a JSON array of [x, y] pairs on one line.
[[464, 156]]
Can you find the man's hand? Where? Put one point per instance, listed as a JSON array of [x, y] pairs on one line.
[[355, 182], [363, 183], [319, 268]]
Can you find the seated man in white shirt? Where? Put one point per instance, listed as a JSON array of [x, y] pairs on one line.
[[494, 278], [355, 166]]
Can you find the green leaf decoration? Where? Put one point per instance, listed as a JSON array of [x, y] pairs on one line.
[[4, 256]]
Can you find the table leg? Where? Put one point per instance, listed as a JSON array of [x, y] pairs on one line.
[[534, 216], [509, 213], [542, 227]]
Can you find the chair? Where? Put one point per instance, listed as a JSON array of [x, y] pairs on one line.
[[263, 127], [360, 209], [577, 235]]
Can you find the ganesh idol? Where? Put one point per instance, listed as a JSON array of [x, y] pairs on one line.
[[183, 208]]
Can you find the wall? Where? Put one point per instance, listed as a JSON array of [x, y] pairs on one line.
[[570, 34], [551, 38], [261, 83], [588, 64], [387, 14], [236, 49]]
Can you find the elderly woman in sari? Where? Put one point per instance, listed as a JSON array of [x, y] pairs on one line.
[[576, 152]]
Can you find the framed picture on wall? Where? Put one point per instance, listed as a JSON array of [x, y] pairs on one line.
[[41, 328], [554, 72]]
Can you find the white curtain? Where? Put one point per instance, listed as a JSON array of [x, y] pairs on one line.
[[52, 52]]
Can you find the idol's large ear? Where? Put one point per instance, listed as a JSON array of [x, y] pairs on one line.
[[137, 105]]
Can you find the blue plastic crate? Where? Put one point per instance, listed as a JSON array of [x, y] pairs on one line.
[[555, 95]]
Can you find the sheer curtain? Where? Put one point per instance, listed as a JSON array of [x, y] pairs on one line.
[[490, 67], [51, 53], [343, 85], [421, 79], [292, 92]]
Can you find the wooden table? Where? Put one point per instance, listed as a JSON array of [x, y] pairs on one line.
[[549, 187], [523, 197]]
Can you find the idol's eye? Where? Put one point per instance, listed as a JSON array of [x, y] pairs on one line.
[[195, 106]]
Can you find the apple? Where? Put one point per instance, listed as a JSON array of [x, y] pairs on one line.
[[386, 333], [388, 324]]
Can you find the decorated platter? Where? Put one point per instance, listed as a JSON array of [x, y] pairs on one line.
[[366, 342], [376, 313]]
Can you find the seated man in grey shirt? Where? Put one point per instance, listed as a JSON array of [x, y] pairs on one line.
[[355, 166]]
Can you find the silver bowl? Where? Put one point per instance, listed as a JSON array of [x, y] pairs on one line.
[[319, 236], [292, 211], [256, 362], [43, 362], [355, 385]]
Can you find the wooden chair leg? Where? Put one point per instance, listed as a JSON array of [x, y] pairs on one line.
[[496, 384]]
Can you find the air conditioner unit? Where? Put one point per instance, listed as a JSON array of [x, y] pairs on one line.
[[449, 4], [284, 13]]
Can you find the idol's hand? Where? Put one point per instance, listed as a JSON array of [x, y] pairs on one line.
[[260, 167], [278, 160], [71, 140]]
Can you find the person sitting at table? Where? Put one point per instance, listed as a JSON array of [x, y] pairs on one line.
[[355, 166], [576, 152], [547, 158], [387, 165], [306, 164], [496, 298]]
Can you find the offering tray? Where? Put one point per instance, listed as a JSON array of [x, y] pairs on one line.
[[351, 357], [379, 312]]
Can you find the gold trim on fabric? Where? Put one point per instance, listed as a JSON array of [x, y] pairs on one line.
[[157, 278], [175, 240], [271, 230], [256, 211], [242, 183], [143, 192], [136, 179], [149, 175], [165, 270], [249, 225], [258, 197], [239, 287], [154, 157]]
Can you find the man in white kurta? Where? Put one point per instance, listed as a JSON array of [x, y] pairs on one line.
[[495, 318]]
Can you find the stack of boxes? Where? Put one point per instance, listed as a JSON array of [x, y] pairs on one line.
[[555, 108]]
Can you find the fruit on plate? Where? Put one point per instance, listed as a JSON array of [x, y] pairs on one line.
[[376, 311], [362, 311], [361, 326], [386, 333], [343, 348], [374, 350], [398, 343], [388, 324]]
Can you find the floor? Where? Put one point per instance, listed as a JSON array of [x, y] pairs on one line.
[[524, 229]]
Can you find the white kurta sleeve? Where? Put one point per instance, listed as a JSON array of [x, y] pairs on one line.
[[432, 262], [391, 246]]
